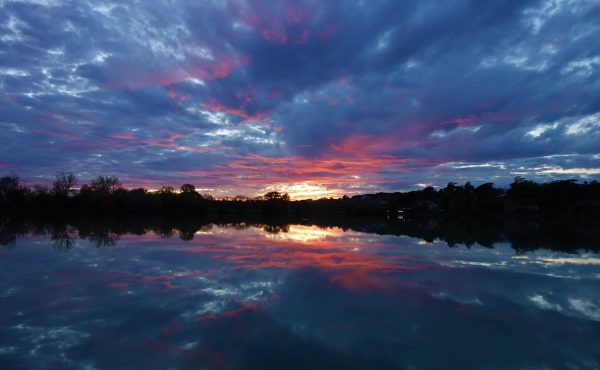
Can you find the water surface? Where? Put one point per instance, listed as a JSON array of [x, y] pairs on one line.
[[293, 297]]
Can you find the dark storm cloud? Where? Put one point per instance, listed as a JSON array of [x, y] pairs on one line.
[[347, 95]]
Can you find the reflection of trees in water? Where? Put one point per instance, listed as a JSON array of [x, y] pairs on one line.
[[272, 228], [187, 232], [186, 235], [7, 238], [62, 240], [523, 236], [101, 238], [61, 233], [207, 227], [10, 230], [235, 225], [165, 232], [276, 229]]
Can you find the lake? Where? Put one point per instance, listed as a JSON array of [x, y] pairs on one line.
[[298, 296]]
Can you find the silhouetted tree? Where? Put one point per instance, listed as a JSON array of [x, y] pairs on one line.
[[469, 188], [428, 192], [272, 195], [40, 190], [450, 187], [188, 188], [64, 182], [166, 190], [523, 191], [488, 190], [12, 194], [9, 185], [105, 194], [275, 195], [105, 185]]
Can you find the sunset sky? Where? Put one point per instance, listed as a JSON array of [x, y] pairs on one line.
[[315, 98]]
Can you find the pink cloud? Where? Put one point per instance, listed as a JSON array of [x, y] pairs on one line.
[[124, 136], [8, 98], [5, 165], [240, 111], [280, 22], [221, 65]]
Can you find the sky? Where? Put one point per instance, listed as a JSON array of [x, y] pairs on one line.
[[314, 98]]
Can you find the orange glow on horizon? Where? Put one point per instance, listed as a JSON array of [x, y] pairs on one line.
[[304, 190]]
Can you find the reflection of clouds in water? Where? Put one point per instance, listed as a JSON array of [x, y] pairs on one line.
[[217, 297], [8, 292], [48, 343], [462, 300], [583, 259], [542, 303], [258, 249], [244, 271], [8, 349], [571, 260], [586, 308], [575, 307], [539, 262], [482, 264]]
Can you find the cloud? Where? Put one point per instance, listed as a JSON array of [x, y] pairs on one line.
[[253, 94]]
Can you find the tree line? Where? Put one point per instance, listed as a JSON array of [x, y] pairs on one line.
[[106, 194]]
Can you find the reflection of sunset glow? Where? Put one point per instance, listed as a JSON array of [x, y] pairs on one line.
[[299, 246], [305, 234]]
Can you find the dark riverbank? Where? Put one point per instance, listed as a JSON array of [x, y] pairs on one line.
[[556, 200]]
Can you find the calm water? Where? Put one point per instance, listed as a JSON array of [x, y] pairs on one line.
[[304, 297]]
